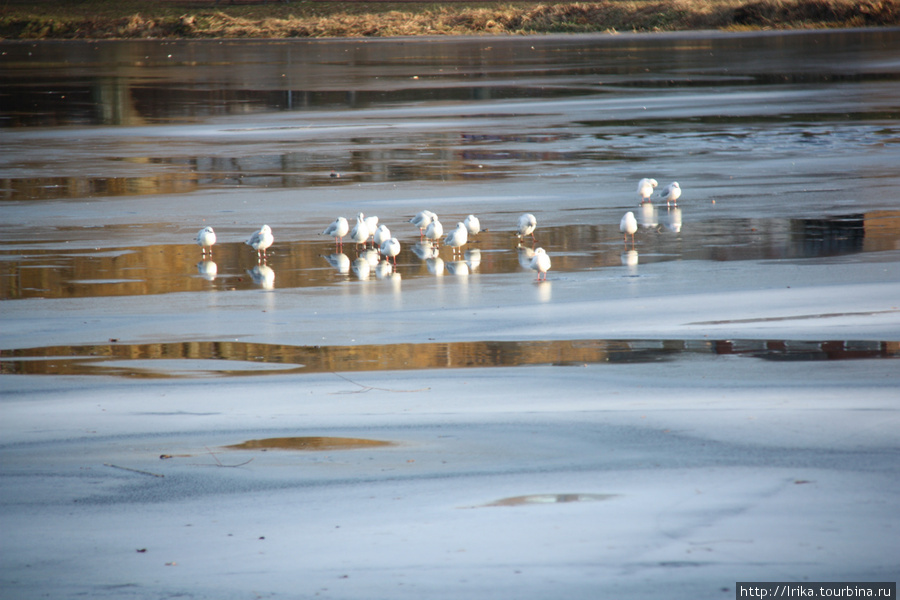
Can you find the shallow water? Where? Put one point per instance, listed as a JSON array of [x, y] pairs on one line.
[[115, 153], [240, 359], [41, 269]]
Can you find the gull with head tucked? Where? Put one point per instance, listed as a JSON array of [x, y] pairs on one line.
[[645, 188], [381, 235], [457, 238], [473, 225], [372, 224], [527, 225], [628, 225], [422, 220], [390, 248], [540, 262], [434, 231]]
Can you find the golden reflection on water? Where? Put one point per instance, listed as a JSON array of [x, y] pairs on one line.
[[41, 269], [309, 443], [538, 499], [239, 358]]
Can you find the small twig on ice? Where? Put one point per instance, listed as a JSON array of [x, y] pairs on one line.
[[219, 463], [133, 470], [367, 388]]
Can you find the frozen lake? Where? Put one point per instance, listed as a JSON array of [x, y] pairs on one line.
[[715, 402]]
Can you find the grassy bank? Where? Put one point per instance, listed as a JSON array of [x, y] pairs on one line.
[[129, 19]]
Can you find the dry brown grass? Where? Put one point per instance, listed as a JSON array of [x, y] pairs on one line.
[[99, 19]]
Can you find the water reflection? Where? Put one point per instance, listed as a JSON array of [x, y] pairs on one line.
[[630, 259], [340, 262], [41, 269], [243, 359], [648, 216], [263, 275], [208, 270], [673, 220], [457, 267], [473, 258], [418, 127], [384, 269], [133, 82], [435, 265], [361, 268]]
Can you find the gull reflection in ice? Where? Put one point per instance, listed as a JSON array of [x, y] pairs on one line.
[[340, 262], [458, 267], [649, 215], [525, 256], [384, 269], [424, 250], [263, 276], [545, 291], [207, 269], [673, 220], [371, 256], [435, 265], [361, 268], [630, 260], [473, 258]]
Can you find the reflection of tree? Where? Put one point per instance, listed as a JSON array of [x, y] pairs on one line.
[[48, 188], [323, 359], [114, 102]]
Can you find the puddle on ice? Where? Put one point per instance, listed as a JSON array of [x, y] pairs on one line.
[[183, 359], [533, 499], [36, 270], [309, 444]]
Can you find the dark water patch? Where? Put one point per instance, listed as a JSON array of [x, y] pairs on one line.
[[134, 82], [425, 151], [164, 360]]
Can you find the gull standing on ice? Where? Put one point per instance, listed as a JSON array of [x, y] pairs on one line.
[[628, 225], [457, 238], [372, 224], [672, 193], [390, 249], [473, 225], [540, 262], [381, 235], [261, 240], [338, 229], [422, 220], [206, 237], [360, 231], [434, 231], [645, 188], [527, 225]]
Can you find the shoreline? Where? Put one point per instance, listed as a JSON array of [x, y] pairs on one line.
[[306, 20]]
